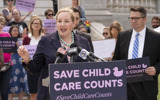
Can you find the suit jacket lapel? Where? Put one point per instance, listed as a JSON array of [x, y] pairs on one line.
[[146, 43], [56, 43], [127, 42]]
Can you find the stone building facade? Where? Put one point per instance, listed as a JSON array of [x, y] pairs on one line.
[[106, 11], [102, 11]]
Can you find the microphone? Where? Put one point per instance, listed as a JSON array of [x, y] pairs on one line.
[[84, 54], [72, 52], [96, 57], [60, 54]]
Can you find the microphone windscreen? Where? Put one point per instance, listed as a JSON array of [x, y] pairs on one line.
[[83, 54], [61, 51]]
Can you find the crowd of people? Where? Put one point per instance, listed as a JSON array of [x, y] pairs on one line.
[[24, 74]]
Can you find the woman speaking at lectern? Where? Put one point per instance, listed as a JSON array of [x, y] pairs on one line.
[[48, 46]]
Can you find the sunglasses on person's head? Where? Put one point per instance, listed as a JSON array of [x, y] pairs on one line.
[[105, 33], [50, 14]]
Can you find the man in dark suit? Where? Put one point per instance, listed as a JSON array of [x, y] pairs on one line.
[[77, 16], [148, 45]]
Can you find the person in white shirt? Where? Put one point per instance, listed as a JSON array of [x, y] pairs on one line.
[[32, 39]]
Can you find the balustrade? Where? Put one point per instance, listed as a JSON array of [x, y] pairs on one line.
[[123, 6]]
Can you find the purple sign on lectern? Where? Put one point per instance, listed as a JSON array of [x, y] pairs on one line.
[[31, 50], [25, 5], [88, 81], [50, 25]]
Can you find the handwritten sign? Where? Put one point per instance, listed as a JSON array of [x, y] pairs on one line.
[[8, 44], [104, 48], [6, 29], [135, 70], [50, 25], [31, 50], [88, 81], [25, 5]]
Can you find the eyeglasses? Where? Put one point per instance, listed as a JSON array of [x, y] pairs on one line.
[[15, 13], [10, 0], [15, 30], [50, 15], [105, 33], [77, 18], [36, 23], [134, 18]]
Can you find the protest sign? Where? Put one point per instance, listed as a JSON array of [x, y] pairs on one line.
[[104, 48], [31, 50], [20, 41], [50, 25], [8, 44], [25, 5], [135, 70], [88, 81], [6, 29]]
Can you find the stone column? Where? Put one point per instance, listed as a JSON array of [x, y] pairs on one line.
[[1, 5], [158, 6], [64, 3]]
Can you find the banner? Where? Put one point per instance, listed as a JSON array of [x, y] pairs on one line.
[[25, 5], [8, 44], [135, 70], [104, 48], [31, 50], [50, 25], [88, 81]]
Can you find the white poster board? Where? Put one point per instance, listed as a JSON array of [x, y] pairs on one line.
[[104, 48]]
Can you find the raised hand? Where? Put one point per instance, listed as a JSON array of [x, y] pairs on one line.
[[22, 51]]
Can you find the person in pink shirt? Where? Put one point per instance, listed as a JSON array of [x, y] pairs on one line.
[[5, 75]]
